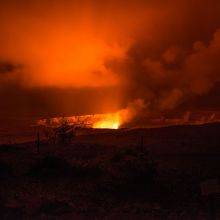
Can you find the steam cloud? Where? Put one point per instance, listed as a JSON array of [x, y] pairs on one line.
[[175, 76]]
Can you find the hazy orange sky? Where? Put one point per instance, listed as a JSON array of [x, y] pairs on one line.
[[95, 56]]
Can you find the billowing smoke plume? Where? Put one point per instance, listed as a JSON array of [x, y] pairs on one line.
[[175, 76], [162, 54]]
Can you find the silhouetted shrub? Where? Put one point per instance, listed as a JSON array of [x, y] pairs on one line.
[[50, 167], [62, 134], [65, 133]]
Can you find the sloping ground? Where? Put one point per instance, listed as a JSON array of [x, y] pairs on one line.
[[132, 174], [186, 139]]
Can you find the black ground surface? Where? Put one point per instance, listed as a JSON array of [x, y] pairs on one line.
[[121, 174]]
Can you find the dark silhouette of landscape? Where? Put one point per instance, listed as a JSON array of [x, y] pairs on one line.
[[158, 173]]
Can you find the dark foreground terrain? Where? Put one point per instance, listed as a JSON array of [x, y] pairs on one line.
[[162, 173]]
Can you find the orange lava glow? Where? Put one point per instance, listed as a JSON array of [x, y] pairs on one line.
[[109, 121], [99, 121]]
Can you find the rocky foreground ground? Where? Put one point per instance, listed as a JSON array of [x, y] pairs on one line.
[[129, 174]]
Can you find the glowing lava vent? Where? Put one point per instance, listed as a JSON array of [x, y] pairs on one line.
[[108, 121]]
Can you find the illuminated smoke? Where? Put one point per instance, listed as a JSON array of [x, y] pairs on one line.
[[158, 52], [167, 82], [108, 120]]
